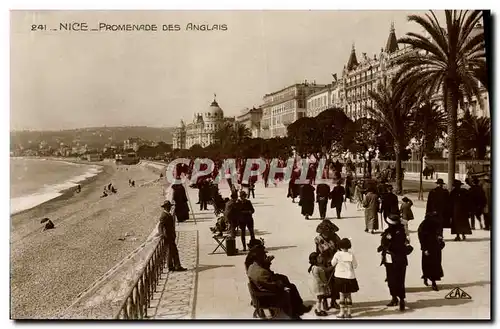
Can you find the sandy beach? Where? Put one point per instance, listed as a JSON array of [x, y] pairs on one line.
[[49, 269]]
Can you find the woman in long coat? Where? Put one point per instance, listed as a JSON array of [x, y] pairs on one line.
[[307, 200], [459, 199], [181, 209], [326, 246], [371, 205], [431, 243], [293, 188], [394, 247]]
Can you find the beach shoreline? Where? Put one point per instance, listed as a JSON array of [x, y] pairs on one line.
[[50, 269]]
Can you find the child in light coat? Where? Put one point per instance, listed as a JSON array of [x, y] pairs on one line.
[[345, 279], [319, 283]]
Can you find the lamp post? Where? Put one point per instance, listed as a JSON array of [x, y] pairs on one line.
[[422, 147]]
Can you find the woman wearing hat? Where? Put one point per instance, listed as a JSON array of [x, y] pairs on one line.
[[431, 243], [460, 210], [438, 201], [395, 247]]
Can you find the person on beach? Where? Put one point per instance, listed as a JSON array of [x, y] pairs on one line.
[[322, 195], [166, 229], [406, 214], [337, 196], [319, 283], [394, 248], [245, 219], [345, 263], [432, 244], [78, 189]]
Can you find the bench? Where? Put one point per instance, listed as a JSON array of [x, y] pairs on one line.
[[262, 301]]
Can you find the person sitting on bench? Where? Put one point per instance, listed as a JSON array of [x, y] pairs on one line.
[[265, 280]]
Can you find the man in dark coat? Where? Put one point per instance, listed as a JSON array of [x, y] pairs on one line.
[[307, 200], [394, 249], [337, 196], [232, 213], [390, 203], [293, 188], [459, 200], [322, 194], [431, 243], [349, 187], [180, 199], [477, 203], [265, 280], [438, 201], [204, 194], [166, 228]]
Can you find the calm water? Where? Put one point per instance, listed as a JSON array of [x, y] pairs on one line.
[[34, 181]]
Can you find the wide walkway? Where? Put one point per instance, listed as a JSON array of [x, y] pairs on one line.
[[216, 285]]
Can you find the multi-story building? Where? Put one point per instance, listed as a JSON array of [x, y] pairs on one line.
[[250, 118], [284, 107], [201, 130], [323, 99], [360, 77]]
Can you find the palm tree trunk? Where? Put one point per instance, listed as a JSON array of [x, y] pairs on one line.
[[452, 108], [399, 178]]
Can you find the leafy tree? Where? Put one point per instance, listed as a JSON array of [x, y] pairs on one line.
[[451, 60], [332, 124], [366, 138], [305, 135], [392, 108]]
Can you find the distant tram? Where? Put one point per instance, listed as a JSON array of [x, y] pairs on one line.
[[129, 159]]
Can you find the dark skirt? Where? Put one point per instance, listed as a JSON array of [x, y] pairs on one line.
[[181, 211], [431, 266], [307, 208], [346, 286]]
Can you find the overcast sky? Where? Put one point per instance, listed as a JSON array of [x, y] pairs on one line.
[[65, 80]]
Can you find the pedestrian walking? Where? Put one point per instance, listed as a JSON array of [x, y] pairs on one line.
[[337, 196], [438, 201], [166, 229], [371, 205], [307, 200], [322, 195], [345, 263], [358, 196], [394, 248], [180, 200], [406, 214], [431, 244], [245, 220], [231, 212], [389, 201], [319, 283], [460, 211], [477, 203], [486, 186], [327, 243]]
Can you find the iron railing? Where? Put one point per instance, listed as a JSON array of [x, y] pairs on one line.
[[138, 298]]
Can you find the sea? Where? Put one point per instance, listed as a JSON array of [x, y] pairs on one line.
[[35, 181]]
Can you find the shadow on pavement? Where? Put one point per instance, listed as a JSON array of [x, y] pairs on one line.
[[202, 268], [447, 286], [279, 248], [258, 232], [469, 239]]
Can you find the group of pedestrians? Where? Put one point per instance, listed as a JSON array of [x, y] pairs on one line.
[[239, 214]]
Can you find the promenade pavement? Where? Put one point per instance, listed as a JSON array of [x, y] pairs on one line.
[[215, 285]]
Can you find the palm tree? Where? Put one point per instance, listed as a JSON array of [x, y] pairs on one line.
[[475, 134], [241, 133], [392, 107], [429, 123], [451, 60]]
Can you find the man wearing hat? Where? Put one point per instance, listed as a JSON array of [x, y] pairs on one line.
[[486, 186], [166, 228], [232, 214], [394, 247], [438, 201], [460, 209], [477, 202], [260, 275], [389, 202]]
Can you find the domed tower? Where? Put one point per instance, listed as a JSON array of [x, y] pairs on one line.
[[213, 118]]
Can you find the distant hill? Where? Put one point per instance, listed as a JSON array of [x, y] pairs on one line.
[[93, 137]]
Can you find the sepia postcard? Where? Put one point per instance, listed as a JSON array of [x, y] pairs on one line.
[[244, 165]]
